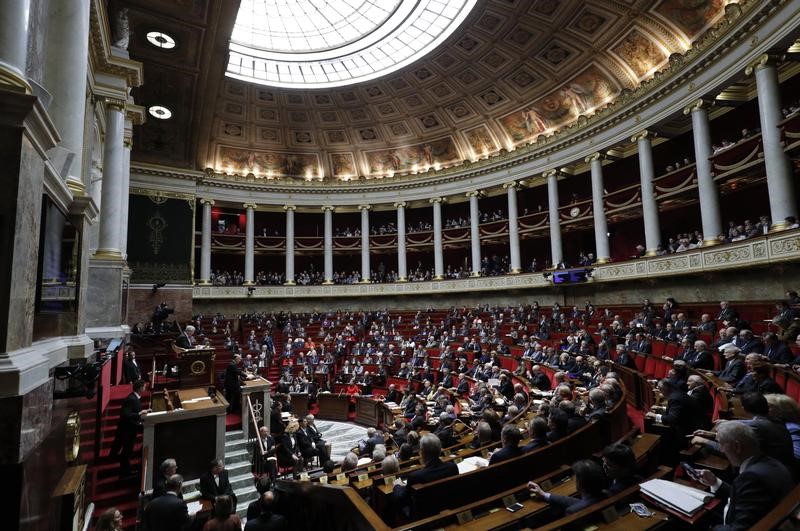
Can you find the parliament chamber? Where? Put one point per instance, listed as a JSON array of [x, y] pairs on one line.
[[400, 264]]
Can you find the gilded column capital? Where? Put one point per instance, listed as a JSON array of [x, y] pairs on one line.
[[550, 173], [698, 105], [289, 207], [511, 184], [250, 205], [642, 135], [596, 156], [474, 193], [206, 201], [763, 61], [364, 207], [127, 140], [327, 208], [115, 103], [436, 200], [400, 204]]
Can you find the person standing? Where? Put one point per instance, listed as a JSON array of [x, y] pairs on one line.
[[215, 484], [233, 380], [130, 423]]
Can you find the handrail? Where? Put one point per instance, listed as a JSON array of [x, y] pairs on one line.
[[143, 481], [257, 434]]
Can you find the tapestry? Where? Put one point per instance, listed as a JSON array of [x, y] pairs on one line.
[[160, 237]]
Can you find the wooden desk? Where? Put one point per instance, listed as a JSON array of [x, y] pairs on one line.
[[333, 407], [257, 390], [199, 420]]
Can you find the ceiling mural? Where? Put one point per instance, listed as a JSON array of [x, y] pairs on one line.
[[513, 71]]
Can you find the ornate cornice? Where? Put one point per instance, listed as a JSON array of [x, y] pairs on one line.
[[100, 52], [161, 193]]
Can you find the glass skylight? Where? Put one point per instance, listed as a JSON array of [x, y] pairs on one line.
[[326, 43]]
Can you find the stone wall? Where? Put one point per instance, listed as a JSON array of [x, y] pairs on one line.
[[142, 301]]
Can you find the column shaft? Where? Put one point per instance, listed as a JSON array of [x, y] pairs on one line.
[[205, 243], [706, 187], [652, 227], [125, 199], [249, 245], [328, 245], [111, 203], [513, 228], [438, 253], [475, 233], [402, 271], [289, 244], [782, 199], [556, 250], [365, 269], [14, 41], [602, 251]]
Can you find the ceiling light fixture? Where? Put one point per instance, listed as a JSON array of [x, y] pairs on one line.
[[160, 112], [159, 39]]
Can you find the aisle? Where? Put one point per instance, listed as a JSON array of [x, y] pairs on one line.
[[342, 435]]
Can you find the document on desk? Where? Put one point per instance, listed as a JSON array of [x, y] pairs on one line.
[[194, 507], [684, 499], [472, 463]]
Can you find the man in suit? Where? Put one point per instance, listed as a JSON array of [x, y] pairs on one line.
[[699, 392], [540, 380], [682, 413], [734, 369], [761, 484], [445, 430], [168, 468], [700, 358], [727, 315], [131, 372], [776, 350], [130, 423], [589, 481], [234, 376], [747, 343], [289, 454], [168, 512], [309, 444], [266, 520], [215, 483], [267, 467], [393, 395], [187, 339], [430, 449], [537, 430], [447, 379], [510, 438]]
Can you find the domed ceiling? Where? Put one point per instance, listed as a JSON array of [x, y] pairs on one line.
[[512, 71]]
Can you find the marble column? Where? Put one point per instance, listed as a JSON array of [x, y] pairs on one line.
[[125, 199], [328, 244], [652, 227], [438, 251], [111, 203], [402, 268], [205, 243], [365, 269], [602, 250], [780, 184], [289, 244], [249, 244], [556, 249], [14, 43], [706, 187], [475, 232], [513, 227], [65, 78]]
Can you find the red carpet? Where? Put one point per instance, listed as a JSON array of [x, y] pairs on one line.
[[636, 417], [233, 421]]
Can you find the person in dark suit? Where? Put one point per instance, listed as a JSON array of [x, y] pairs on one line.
[[734, 369], [289, 454], [393, 395], [540, 380], [265, 465], [187, 339], [700, 358], [309, 446], [234, 376], [776, 350], [682, 413], [447, 379], [537, 430], [168, 512], [445, 430], [728, 316], [619, 464], [506, 388], [131, 372], [267, 520], [510, 437], [434, 468], [625, 358], [215, 483], [589, 481], [130, 423], [761, 484], [168, 468], [699, 392]]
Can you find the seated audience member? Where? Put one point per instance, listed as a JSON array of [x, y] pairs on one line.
[[510, 438], [539, 379], [289, 453], [168, 512], [379, 453], [681, 413], [747, 343], [700, 358], [433, 468], [679, 374], [263, 485], [597, 408], [733, 370], [266, 520], [224, 517], [390, 465], [445, 430], [574, 421], [625, 358], [759, 379], [482, 435], [776, 351], [406, 452], [557, 424], [215, 483], [537, 430], [619, 463], [310, 441], [349, 462], [589, 481], [699, 392], [110, 520], [167, 469], [762, 481], [784, 409]]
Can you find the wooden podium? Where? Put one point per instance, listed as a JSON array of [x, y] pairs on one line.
[[193, 433], [257, 390], [195, 366]]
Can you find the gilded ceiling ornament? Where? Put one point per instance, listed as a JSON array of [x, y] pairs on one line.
[[157, 226]]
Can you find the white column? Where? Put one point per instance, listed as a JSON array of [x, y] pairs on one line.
[[205, 243], [289, 244], [706, 187], [14, 42], [782, 199], [556, 249], [328, 243], [67, 59], [652, 227], [111, 209], [438, 252], [601, 248], [513, 227], [475, 232], [402, 269], [249, 244], [365, 269], [127, 144]]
